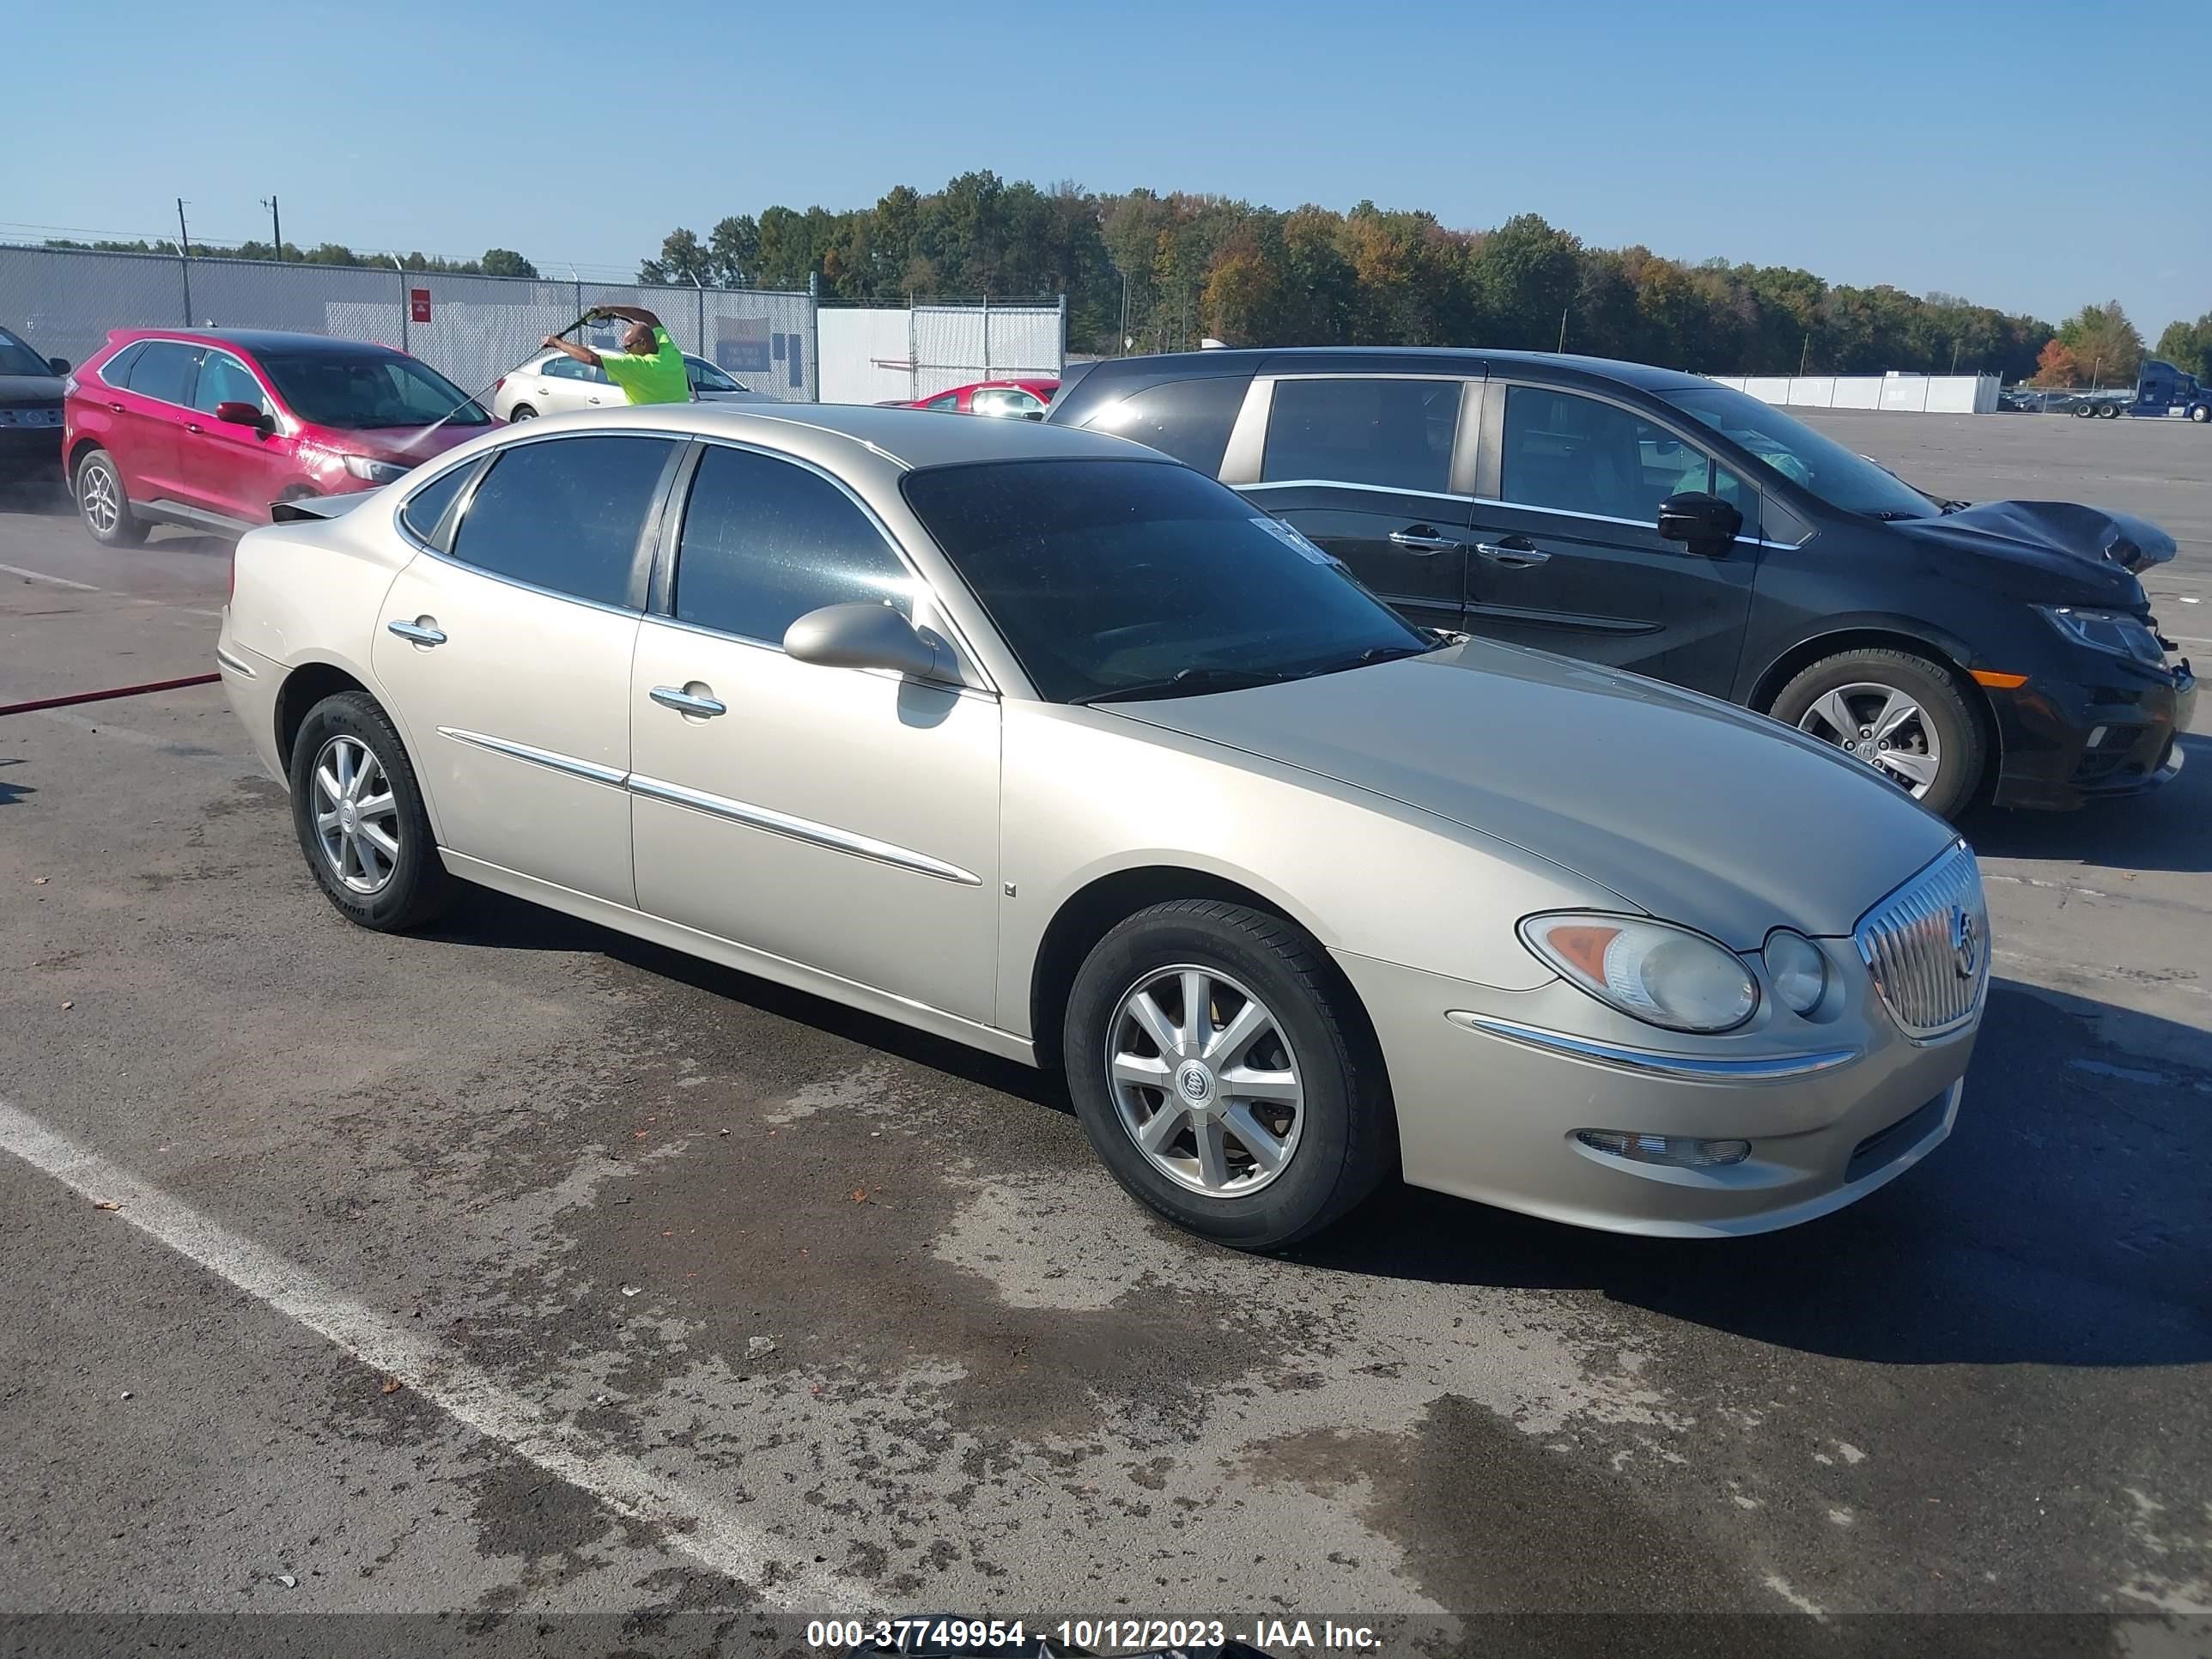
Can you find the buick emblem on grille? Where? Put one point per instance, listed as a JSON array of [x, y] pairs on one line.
[[1966, 944]]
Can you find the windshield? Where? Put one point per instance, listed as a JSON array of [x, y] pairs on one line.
[[1802, 455], [368, 392], [17, 358], [708, 378], [1135, 578]]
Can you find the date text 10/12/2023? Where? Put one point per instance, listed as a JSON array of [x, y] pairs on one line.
[[1130, 1638]]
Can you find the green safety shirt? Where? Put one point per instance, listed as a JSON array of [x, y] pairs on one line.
[[658, 378]]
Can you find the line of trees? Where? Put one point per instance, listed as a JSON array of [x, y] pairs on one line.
[[1145, 271], [496, 261]]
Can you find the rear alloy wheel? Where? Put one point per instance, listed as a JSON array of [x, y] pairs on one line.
[[1903, 715], [359, 818], [520, 412], [1218, 1071], [103, 505]]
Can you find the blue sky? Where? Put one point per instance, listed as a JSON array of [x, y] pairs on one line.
[[2031, 155]]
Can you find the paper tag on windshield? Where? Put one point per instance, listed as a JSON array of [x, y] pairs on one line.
[[1293, 540]]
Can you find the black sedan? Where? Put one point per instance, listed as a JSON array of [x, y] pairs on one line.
[[30, 413], [1657, 521]]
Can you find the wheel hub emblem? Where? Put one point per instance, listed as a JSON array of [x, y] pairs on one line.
[[1195, 1083], [1966, 944], [349, 817]]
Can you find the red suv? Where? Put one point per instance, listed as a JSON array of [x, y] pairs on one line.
[[205, 428]]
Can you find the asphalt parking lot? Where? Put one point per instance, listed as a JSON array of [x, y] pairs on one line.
[[520, 1267]]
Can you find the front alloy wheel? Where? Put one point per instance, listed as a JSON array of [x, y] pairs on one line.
[[1883, 727], [1205, 1082]]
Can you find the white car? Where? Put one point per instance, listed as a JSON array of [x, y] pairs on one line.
[[555, 383]]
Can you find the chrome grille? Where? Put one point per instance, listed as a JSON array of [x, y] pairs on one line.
[[1927, 945]]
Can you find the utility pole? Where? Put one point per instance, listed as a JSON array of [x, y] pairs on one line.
[[1954, 357], [185, 259], [1806, 355], [1124, 350], [1564, 310], [276, 226], [406, 305]]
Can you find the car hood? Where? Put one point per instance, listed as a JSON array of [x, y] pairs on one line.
[[2058, 538], [1691, 810], [30, 391]]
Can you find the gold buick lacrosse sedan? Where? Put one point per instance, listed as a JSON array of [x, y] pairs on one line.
[[1036, 739]]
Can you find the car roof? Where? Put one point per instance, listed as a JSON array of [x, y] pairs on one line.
[[1457, 359], [907, 439], [259, 339]]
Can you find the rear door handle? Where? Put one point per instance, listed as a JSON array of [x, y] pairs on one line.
[[117, 407], [1513, 558], [422, 630], [1414, 541], [686, 702]]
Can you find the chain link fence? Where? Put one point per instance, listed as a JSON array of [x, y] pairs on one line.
[[469, 329]]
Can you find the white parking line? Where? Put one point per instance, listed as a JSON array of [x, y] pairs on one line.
[[697, 1525], [41, 576], [87, 587]]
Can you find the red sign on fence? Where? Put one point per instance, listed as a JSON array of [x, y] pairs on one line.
[[418, 304]]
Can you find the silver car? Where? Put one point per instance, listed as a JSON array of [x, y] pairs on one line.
[[555, 383], [1034, 740]]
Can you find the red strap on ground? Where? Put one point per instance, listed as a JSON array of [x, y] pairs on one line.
[[104, 696]]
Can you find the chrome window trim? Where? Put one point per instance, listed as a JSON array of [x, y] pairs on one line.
[[406, 530], [1651, 1062], [1347, 483], [591, 771], [161, 339], [268, 398], [945, 621], [1602, 518], [529, 587], [803, 830]]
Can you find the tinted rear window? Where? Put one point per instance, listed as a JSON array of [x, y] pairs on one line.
[[1395, 433], [565, 514], [164, 369], [1190, 420]]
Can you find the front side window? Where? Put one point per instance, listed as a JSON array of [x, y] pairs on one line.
[[1190, 420], [765, 542], [1394, 434], [1802, 455], [1574, 454], [364, 392], [565, 514], [163, 371], [1007, 402], [224, 379], [1134, 578], [950, 400]]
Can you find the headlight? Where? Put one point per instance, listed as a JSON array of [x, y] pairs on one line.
[[1798, 969], [373, 470], [2112, 631], [1651, 970]]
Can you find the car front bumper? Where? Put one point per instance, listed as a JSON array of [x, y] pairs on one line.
[[1491, 1089], [31, 451], [2068, 743]]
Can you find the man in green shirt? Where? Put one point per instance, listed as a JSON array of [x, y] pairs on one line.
[[649, 369]]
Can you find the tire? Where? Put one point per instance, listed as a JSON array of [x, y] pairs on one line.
[[1336, 1139], [2108, 412], [1943, 723], [2085, 411], [2201, 413], [520, 412], [376, 890], [103, 504]]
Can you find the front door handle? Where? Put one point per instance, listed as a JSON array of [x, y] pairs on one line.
[[684, 701], [1416, 541], [1513, 558], [423, 631]]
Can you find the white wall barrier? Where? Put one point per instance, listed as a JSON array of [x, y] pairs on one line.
[[1932, 394]]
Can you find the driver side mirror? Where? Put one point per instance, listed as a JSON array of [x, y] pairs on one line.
[[60, 365], [238, 413], [1704, 523], [862, 635]]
